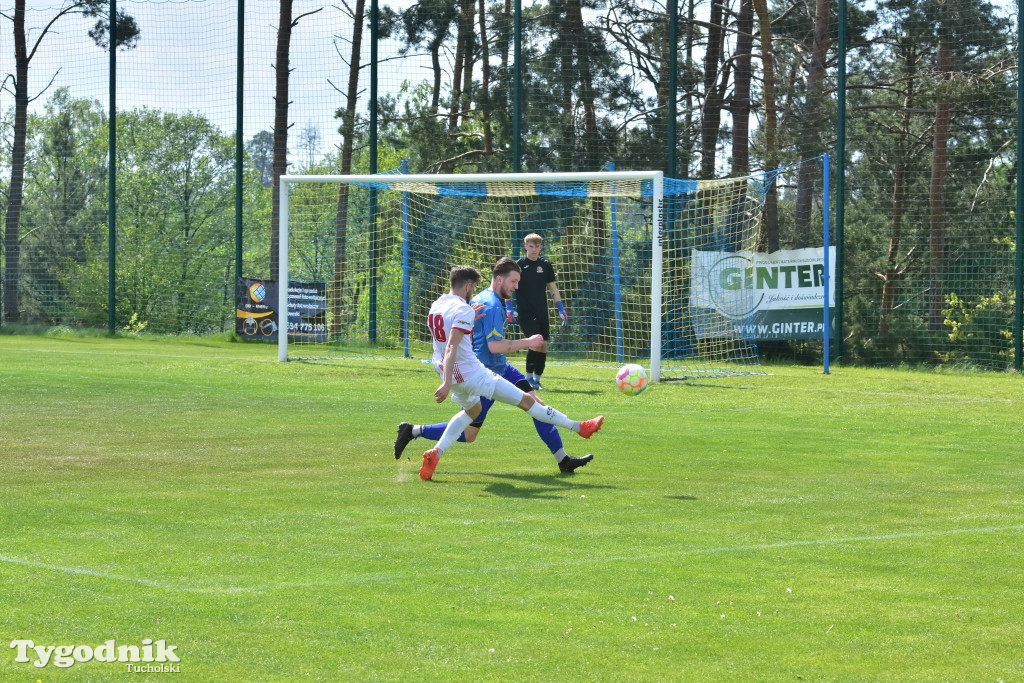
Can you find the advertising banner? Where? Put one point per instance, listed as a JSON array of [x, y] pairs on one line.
[[257, 317], [760, 296], [307, 311], [256, 309]]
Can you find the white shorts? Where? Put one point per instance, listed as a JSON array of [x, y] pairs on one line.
[[479, 382]]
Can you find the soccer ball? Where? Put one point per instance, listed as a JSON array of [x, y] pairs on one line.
[[631, 379]]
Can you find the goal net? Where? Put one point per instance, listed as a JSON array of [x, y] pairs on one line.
[[377, 250]]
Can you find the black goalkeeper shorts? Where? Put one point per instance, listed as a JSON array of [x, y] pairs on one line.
[[531, 325]]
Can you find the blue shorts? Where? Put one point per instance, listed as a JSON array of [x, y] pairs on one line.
[[512, 375]]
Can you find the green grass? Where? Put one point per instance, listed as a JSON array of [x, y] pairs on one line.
[[863, 525]]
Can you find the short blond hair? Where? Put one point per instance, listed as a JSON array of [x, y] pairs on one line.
[[533, 238]]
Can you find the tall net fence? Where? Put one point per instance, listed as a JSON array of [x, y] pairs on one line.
[[931, 187], [926, 251], [174, 239]]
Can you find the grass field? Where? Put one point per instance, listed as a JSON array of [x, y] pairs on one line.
[[863, 525]]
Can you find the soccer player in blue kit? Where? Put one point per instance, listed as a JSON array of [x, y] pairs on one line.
[[491, 346]]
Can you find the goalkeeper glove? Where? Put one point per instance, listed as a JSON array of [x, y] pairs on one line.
[[561, 312], [510, 313]]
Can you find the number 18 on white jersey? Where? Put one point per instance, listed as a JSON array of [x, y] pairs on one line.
[[448, 312]]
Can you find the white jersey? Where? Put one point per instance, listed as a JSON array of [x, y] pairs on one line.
[[447, 313]]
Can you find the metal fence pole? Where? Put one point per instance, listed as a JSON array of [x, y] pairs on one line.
[[374, 245], [826, 162], [112, 177], [673, 88], [239, 145], [1018, 276], [517, 88], [840, 178]]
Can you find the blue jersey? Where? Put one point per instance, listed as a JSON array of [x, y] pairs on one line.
[[490, 327]]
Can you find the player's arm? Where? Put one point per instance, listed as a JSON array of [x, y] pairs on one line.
[[496, 341], [556, 296], [448, 364], [507, 346]]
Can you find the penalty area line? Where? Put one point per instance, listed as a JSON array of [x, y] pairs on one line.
[[78, 571], [389, 577], [823, 541]]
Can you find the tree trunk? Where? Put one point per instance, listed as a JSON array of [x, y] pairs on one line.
[[662, 111], [485, 83], [468, 61], [505, 38], [348, 130], [462, 69], [435, 65], [937, 191], [280, 162], [591, 137], [768, 240], [712, 116], [688, 86], [893, 270], [741, 98], [12, 245], [810, 140]]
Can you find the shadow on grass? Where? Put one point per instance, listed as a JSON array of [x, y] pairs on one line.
[[681, 497], [586, 392], [535, 486], [712, 386], [504, 490]]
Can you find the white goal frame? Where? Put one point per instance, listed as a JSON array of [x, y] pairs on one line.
[[399, 180]]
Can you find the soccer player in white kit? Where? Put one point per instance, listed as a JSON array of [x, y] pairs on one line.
[[450, 322]]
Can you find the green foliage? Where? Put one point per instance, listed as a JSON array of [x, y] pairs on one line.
[[922, 240], [175, 241], [176, 234], [126, 30], [981, 332], [65, 204], [135, 327]]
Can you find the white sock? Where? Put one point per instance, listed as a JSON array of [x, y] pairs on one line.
[[455, 427], [417, 430], [550, 416], [560, 455]]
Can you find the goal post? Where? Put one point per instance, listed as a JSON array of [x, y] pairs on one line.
[[621, 242], [657, 234]]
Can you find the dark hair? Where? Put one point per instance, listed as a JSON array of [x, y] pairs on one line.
[[504, 266], [463, 274]]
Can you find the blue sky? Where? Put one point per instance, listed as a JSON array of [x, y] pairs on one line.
[[185, 61]]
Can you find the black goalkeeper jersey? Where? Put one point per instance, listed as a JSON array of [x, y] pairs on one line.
[[532, 295]]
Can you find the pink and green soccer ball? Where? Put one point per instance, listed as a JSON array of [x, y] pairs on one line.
[[631, 379]]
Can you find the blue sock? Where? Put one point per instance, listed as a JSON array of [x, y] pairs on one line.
[[549, 435], [434, 432]]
